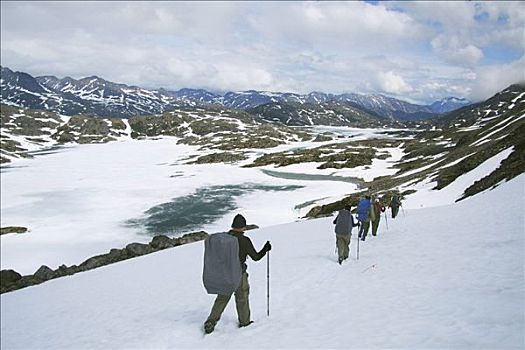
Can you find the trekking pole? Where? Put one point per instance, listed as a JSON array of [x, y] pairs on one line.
[[403, 210], [358, 239], [268, 284], [386, 219]]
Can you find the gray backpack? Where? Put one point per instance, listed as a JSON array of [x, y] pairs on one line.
[[222, 268], [344, 222]]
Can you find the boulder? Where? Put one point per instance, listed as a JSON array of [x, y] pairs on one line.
[[161, 242], [94, 262], [12, 229], [135, 249], [197, 236], [63, 270], [191, 237], [44, 273], [115, 255], [8, 277]]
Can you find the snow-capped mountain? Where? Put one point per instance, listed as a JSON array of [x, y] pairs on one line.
[[377, 104], [104, 98], [388, 106], [193, 96], [88, 95], [330, 112], [448, 104]]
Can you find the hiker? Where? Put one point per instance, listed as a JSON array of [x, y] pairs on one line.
[[363, 215], [377, 209], [395, 203], [242, 293], [344, 222]]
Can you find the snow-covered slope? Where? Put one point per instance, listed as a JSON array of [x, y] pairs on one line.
[[447, 277]]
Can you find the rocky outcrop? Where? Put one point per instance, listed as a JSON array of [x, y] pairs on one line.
[[12, 229], [224, 157], [8, 277], [11, 280], [137, 249], [161, 242], [44, 273]]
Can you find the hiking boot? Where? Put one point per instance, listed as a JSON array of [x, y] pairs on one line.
[[340, 261], [209, 326], [245, 325]]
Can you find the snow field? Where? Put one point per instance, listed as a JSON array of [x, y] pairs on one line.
[[446, 277]]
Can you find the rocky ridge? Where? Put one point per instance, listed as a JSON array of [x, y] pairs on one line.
[[103, 98], [11, 280], [23, 131]]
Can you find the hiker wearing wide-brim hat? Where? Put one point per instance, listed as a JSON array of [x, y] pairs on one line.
[[242, 304]]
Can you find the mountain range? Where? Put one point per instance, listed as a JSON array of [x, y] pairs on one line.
[[94, 95]]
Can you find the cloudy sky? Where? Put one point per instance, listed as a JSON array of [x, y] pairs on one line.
[[418, 51]]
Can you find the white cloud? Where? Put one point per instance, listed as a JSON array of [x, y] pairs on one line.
[[494, 78], [454, 51], [282, 46], [393, 83]]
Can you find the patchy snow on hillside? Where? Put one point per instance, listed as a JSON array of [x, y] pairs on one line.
[[426, 196], [446, 277]]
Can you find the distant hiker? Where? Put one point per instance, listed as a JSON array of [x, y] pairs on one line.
[[395, 203], [216, 284], [344, 222], [363, 215], [377, 209]]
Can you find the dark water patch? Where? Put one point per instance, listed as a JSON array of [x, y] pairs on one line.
[[204, 206], [312, 177]]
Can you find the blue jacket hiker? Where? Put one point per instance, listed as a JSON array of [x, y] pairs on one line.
[[344, 222], [363, 215]]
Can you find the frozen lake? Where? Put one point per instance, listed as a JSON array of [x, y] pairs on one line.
[[82, 200]]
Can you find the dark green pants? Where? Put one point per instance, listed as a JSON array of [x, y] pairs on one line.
[[395, 210], [375, 225], [363, 230], [343, 245], [241, 302]]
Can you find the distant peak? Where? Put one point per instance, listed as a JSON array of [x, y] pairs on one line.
[[93, 77]]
